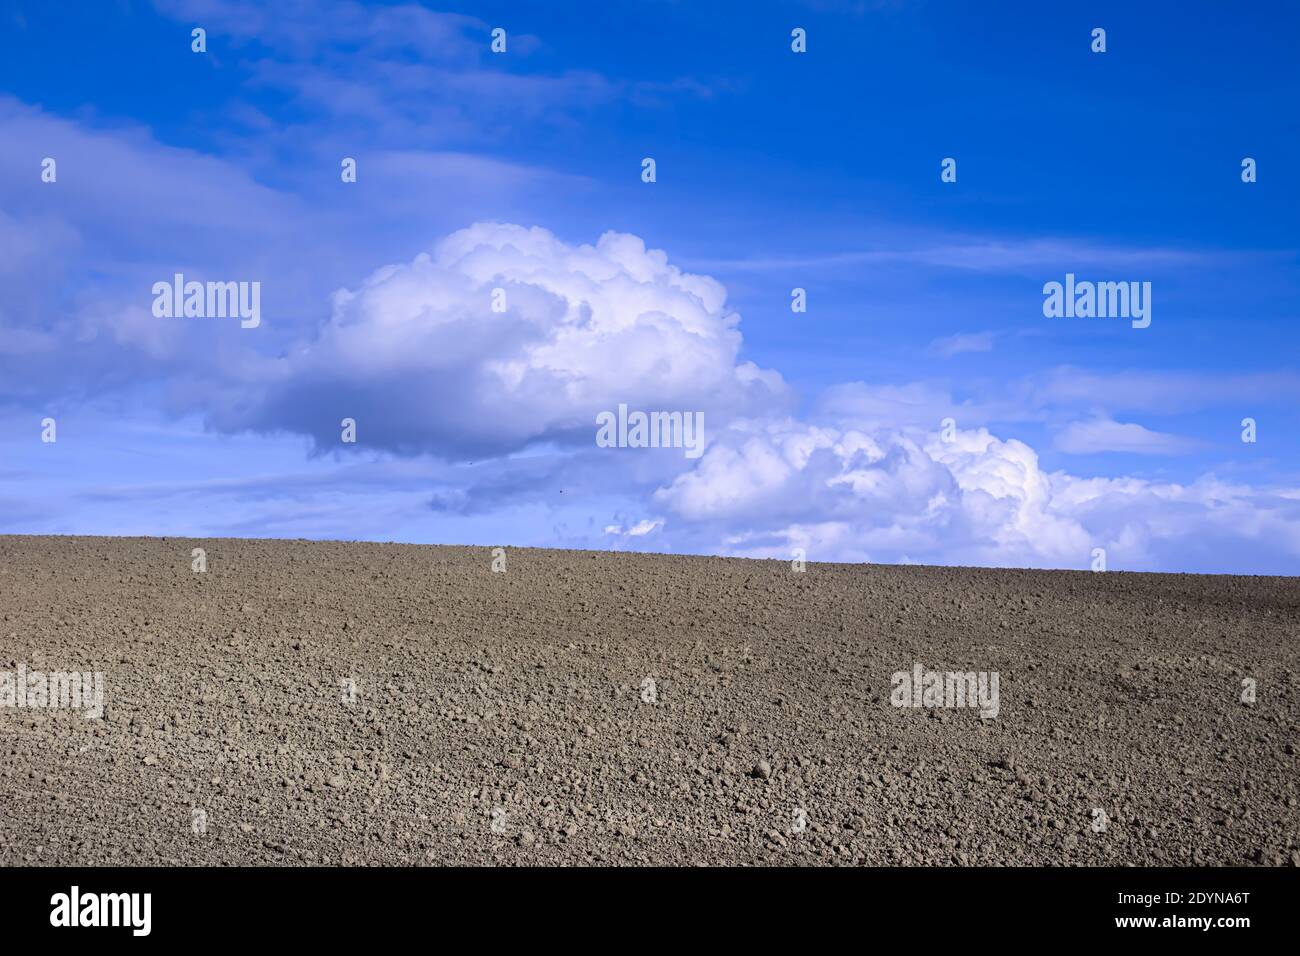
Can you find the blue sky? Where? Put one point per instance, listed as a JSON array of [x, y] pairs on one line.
[[775, 170]]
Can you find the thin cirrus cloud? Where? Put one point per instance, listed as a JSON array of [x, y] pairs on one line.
[[986, 255], [950, 345], [405, 73], [1107, 435], [300, 28]]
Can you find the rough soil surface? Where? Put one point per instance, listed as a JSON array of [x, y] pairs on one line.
[[516, 701]]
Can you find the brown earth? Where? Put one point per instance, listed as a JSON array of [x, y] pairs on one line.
[[518, 699]]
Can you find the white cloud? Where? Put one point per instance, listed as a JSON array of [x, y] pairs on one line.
[[638, 530], [420, 358], [1156, 391], [951, 345], [894, 494], [920, 404], [1105, 435], [857, 495], [984, 255]]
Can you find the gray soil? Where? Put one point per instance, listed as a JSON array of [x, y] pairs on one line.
[[518, 702]]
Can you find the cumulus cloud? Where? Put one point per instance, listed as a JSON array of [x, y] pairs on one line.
[[901, 495], [877, 495], [502, 337]]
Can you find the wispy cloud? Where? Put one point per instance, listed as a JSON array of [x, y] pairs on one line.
[[1106, 435], [996, 256], [951, 345], [407, 75]]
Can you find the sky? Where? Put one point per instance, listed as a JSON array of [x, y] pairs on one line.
[[922, 408]]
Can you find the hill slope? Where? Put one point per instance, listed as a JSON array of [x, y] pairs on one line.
[[308, 702]]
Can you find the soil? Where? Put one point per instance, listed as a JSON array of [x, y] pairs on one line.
[[304, 703]]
